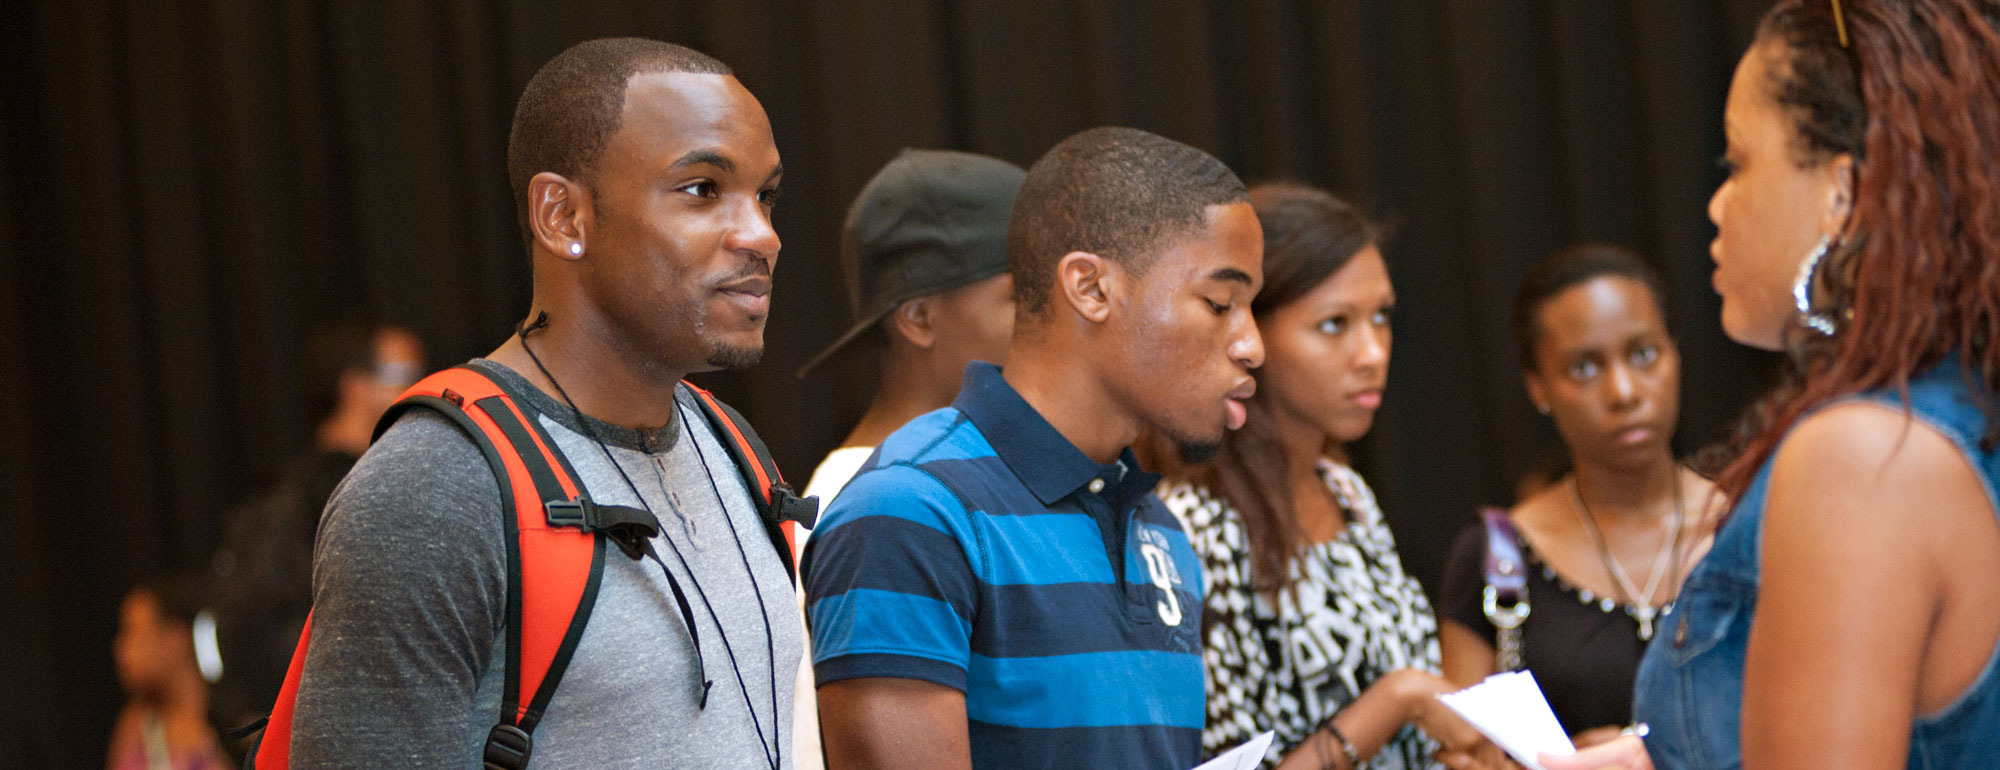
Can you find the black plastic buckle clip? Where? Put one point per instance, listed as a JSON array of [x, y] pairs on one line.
[[786, 505], [508, 747]]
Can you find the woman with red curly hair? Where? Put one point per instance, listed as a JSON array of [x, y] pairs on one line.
[[1848, 614]]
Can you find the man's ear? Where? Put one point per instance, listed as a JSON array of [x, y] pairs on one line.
[[914, 321], [559, 215], [1087, 282]]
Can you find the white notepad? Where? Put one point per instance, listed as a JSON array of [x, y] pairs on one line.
[[1245, 756], [1509, 710]]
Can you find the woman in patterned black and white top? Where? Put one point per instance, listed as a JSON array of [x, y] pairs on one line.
[[1311, 627]]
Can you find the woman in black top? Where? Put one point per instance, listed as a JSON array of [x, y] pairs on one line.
[[1607, 544]]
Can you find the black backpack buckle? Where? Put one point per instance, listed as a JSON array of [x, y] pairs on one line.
[[629, 527], [786, 505], [508, 747]]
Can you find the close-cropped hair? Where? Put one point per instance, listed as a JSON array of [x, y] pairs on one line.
[[1119, 193], [574, 103], [1574, 266], [1909, 96]]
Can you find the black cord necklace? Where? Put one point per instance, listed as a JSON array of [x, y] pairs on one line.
[[774, 753]]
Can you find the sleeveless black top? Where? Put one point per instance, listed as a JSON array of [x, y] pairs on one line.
[[1583, 648]]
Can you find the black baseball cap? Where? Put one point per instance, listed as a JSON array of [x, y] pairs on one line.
[[930, 220]]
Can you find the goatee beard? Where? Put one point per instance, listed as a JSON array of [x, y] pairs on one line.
[[1197, 453], [732, 357]]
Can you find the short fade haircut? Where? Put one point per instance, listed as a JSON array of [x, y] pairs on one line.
[[1119, 193], [574, 103]]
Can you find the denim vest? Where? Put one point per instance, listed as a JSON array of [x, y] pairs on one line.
[[1690, 684]]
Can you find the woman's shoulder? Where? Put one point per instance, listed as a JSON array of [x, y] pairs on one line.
[[1545, 516], [1195, 504], [1353, 493], [1867, 436], [1870, 448], [1179, 494]]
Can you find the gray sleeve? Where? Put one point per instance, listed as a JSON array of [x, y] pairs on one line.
[[409, 595]]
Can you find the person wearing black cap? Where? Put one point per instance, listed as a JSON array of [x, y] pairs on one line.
[[924, 252], [998, 587]]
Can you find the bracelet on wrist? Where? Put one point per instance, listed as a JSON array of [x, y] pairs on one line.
[[1346, 746]]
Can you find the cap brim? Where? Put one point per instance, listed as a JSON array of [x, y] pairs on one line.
[[845, 340], [953, 282]]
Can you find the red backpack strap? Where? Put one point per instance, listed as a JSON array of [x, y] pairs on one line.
[[553, 569], [782, 511], [273, 749]]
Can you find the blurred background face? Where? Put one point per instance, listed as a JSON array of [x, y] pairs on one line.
[[1326, 354], [1770, 212], [975, 322], [399, 363], [148, 644], [1607, 371]]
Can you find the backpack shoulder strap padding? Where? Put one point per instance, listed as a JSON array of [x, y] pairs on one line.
[[781, 511], [553, 572]]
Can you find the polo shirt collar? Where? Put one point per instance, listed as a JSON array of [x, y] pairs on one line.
[[1046, 463]]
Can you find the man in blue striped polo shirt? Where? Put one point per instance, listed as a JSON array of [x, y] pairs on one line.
[[998, 587]]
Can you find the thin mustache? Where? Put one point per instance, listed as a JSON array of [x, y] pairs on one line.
[[754, 268]]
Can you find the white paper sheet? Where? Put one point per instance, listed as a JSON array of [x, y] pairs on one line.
[[1509, 710], [1244, 757]]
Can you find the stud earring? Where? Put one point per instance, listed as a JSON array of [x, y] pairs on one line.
[[575, 249], [1543, 408]]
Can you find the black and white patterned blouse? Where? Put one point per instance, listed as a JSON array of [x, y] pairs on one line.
[[1352, 617]]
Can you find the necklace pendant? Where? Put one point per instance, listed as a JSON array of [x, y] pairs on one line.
[[1645, 617]]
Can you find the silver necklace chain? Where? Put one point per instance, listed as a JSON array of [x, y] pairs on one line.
[[1641, 604]]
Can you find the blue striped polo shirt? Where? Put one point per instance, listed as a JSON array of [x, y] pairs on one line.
[[981, 550]]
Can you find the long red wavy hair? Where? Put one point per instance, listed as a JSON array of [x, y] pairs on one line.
[[1914, 97]]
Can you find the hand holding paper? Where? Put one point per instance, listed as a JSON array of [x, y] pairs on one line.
[[1510, 711], [1246, 756]]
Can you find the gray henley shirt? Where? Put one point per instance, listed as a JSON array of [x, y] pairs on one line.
[[409, 604]]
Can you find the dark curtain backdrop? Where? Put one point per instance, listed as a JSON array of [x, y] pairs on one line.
[[191, 186]]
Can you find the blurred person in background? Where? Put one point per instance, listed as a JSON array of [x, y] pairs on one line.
[[165, 722], [924, 252], [263, 572], [1604, 546]]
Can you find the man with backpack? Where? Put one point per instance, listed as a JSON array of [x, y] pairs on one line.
[[621, 597]]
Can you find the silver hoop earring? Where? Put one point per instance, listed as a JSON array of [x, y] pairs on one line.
[[575, 249], [1802, 289]]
